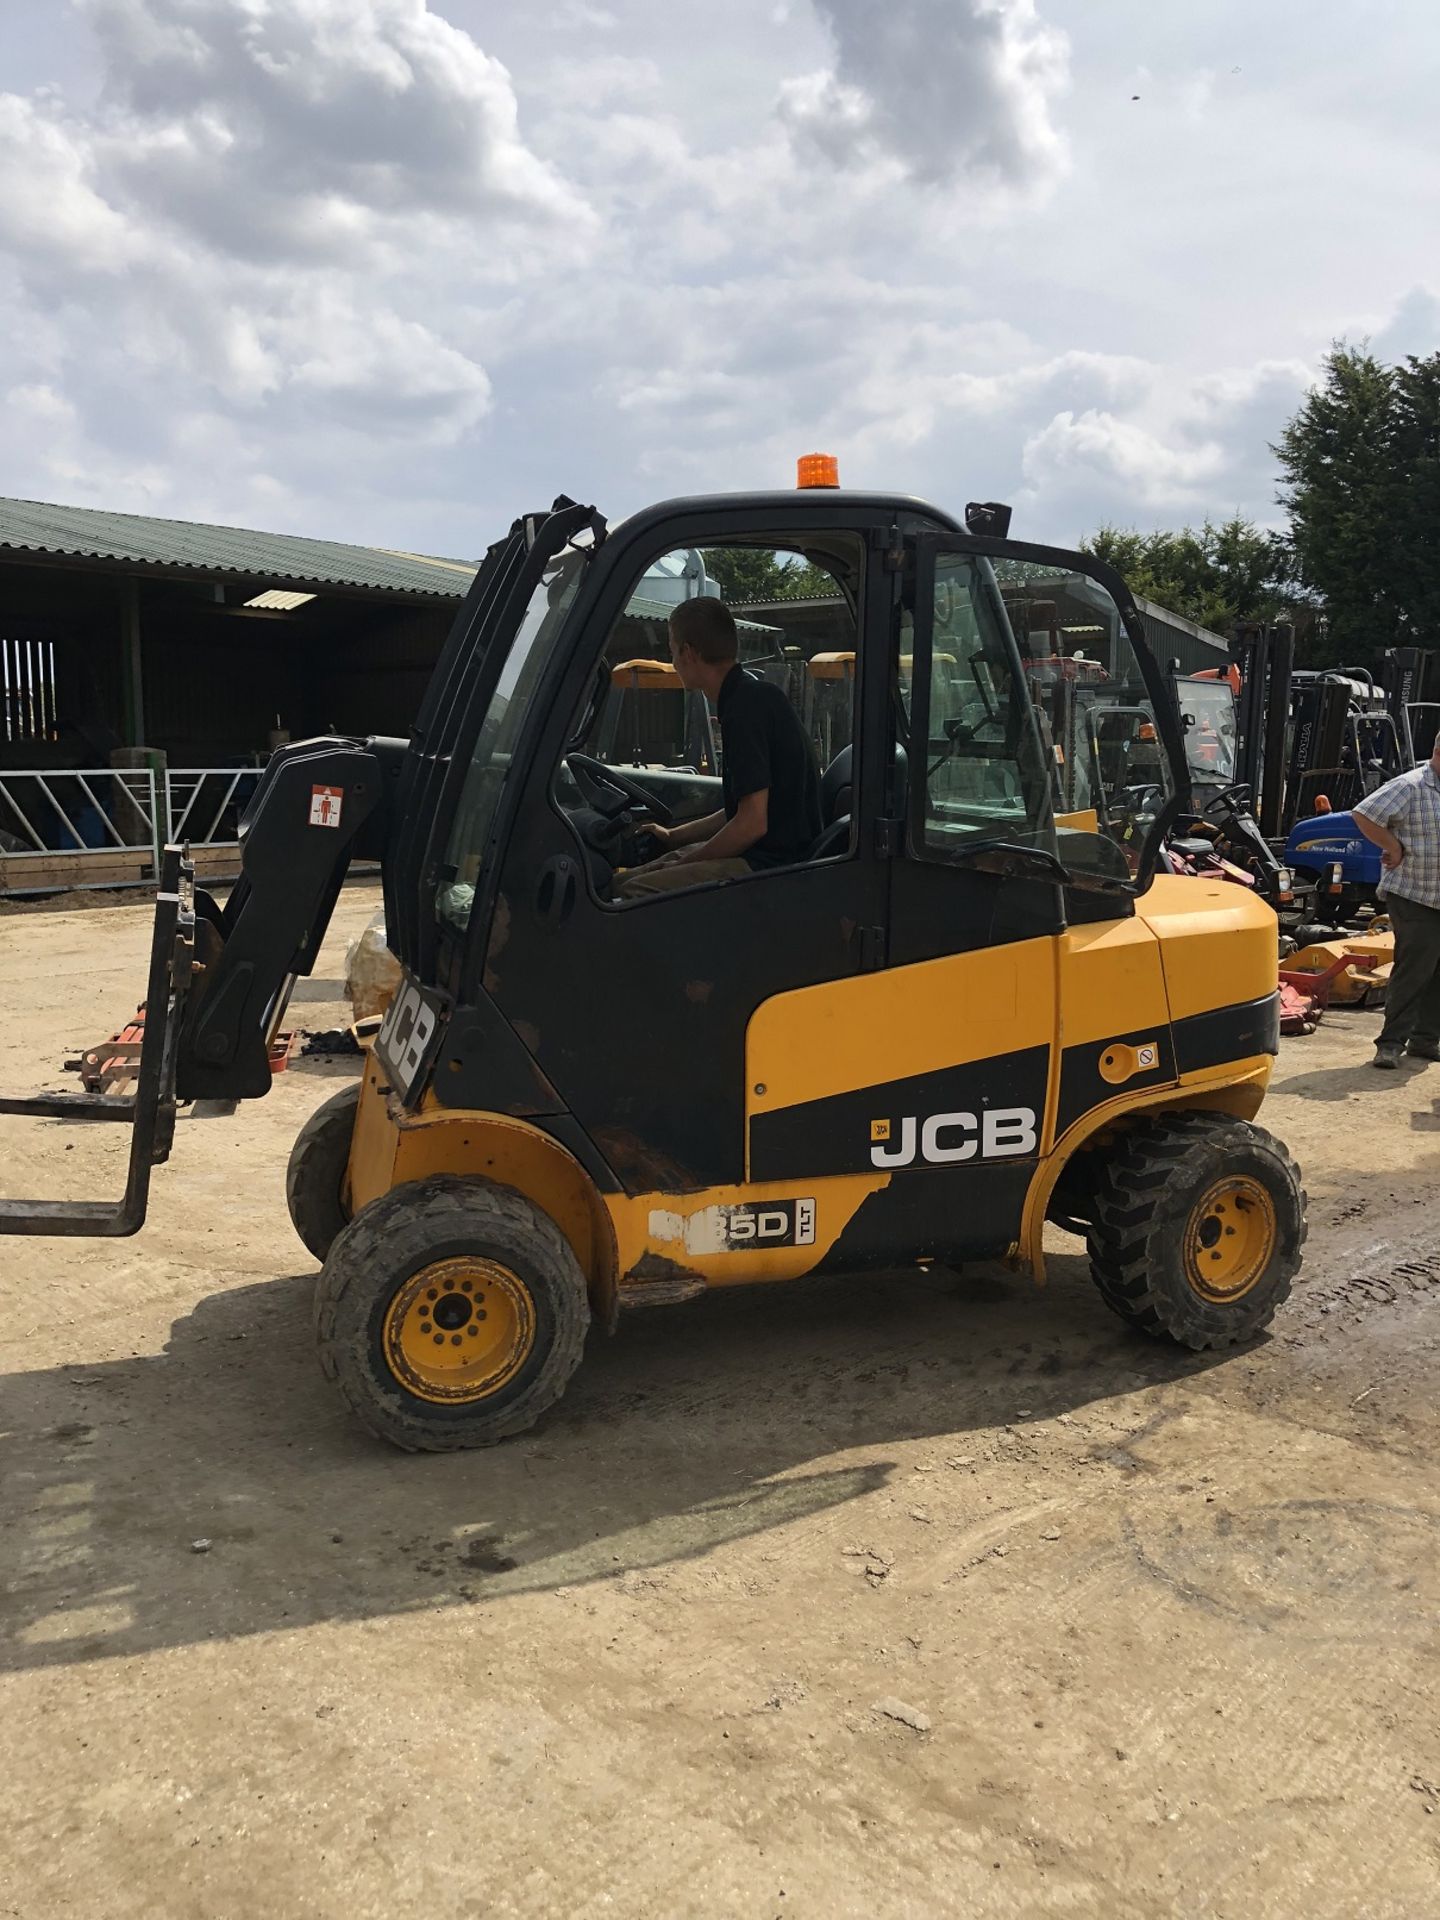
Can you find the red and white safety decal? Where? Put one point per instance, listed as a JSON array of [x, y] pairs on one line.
[[325, 803]]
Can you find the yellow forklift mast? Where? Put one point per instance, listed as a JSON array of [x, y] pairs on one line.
[[961, 1016]]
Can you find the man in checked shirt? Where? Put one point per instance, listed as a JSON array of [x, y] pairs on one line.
[[1402, 818]]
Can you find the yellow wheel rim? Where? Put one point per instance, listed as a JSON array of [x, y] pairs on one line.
[[1229, 1239], [459, 1330]]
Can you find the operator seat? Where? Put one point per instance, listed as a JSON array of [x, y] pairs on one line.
[[837, 785]]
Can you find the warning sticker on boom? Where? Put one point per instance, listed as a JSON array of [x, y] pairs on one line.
[[325, 804]]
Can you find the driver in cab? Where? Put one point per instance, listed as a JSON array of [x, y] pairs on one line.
[[769, 776]]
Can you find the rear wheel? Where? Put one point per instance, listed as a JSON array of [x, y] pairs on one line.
[[315, 1178], [1197, 1226], [450, 1313]]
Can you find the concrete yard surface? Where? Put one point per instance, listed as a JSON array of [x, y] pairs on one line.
[[933, 1594]]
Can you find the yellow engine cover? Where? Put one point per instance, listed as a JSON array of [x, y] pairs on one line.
[[1219, 944]]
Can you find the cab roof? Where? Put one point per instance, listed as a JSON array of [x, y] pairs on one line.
[[788, 503]]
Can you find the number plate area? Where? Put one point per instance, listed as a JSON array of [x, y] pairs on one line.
[[405, 1045]]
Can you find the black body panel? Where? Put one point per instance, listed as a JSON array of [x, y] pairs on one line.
[[638, 1015], [1085, 908], [483, 1063], [1228, 1033], [935, 1213], [938, 909]]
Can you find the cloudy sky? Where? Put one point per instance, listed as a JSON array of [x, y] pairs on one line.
[[392, 272]]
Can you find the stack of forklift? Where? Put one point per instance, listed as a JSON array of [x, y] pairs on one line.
[[1305, 746]]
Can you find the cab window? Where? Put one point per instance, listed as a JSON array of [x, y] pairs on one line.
[[985, 776], [499, 731], [1110, 773], [794, 613]]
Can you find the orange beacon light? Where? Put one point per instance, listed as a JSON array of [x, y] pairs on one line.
[[817, 470]]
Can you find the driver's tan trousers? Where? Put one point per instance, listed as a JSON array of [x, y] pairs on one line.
[[684, 873]]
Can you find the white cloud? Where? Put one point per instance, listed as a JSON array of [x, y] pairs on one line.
[[279, 197], [395, 271], [66, 464], [1173, 451], [939, 89], [1196, 94], [580, 15], [38, 406], [600, 78], [51, 214], [1143, 467], [373, 370], [296, 128], [1413, 327]]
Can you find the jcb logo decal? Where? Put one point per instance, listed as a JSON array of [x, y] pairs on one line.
[[947, 1138], [405, 1034]]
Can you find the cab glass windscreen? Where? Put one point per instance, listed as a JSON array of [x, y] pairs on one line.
[[1110, 772], [500, 732]]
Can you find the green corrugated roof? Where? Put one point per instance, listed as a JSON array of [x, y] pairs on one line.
[[639, 608], [32, 527]]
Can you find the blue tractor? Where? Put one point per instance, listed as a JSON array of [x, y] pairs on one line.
[[1330, 850]]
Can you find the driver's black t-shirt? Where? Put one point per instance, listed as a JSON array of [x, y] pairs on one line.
[[765, 748]]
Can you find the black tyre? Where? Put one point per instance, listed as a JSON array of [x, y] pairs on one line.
[[450, 1313], [316, 1174], [1197, 1227]]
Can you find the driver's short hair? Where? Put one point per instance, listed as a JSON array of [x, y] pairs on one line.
[[707, 627]]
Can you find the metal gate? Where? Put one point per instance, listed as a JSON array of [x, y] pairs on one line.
[[102, 827]]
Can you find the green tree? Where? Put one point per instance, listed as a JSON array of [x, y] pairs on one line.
[[1216, 576], [1344, 485], [1414, 518], [760, 573]]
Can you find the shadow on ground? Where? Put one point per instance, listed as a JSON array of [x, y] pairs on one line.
[[1417, 1079], [696, 1425]]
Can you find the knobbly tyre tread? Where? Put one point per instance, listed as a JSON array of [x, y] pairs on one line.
[[407, 1228], [316, 1172], [1139, 1211]]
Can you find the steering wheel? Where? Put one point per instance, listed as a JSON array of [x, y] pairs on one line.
[[610, 792], [1236, 795]]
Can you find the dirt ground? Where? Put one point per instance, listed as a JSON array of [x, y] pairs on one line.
[[933, 1595]]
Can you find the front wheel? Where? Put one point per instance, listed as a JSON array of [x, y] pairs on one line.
[[315, 1178], [450, 1313], [1198, 1222]]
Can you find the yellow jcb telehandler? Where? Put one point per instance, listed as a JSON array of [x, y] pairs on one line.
[[960, 1016]]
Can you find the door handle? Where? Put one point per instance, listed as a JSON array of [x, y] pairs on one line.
[[555, 891], [871, 943]]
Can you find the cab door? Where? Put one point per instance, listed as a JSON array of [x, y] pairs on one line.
[[1015, 935], [955, 1114], [636, 1012]]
